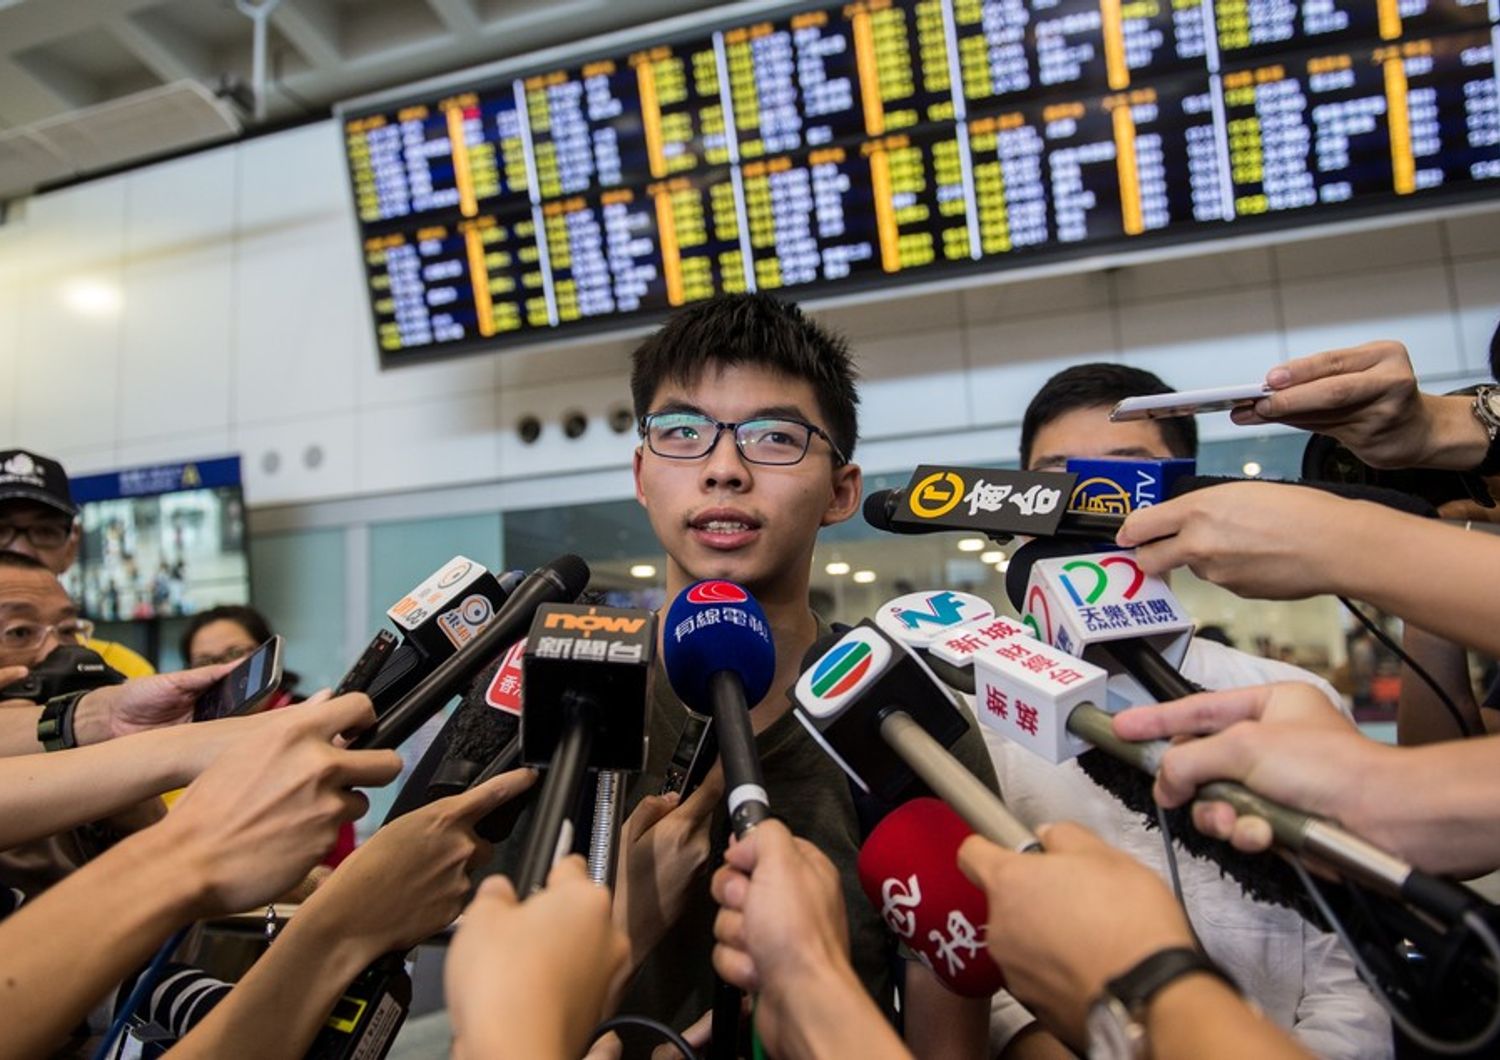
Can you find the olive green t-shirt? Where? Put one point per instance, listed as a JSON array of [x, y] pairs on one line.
[[812, 795]]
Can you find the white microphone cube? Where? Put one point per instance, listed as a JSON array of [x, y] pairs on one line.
[[1077, 603], [958, 646], [1025, 689]]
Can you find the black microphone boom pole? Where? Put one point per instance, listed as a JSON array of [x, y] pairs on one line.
[[562, 579]]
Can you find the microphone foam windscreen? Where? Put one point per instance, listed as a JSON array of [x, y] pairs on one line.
[[908, 868], [714, 626]]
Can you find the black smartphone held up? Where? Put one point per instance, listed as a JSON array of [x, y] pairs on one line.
[[243, 688]]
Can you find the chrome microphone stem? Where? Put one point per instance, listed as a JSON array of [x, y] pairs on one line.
[[980, 807], [603, 838]]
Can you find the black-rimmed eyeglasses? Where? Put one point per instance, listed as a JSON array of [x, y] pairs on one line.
[[770, 440]]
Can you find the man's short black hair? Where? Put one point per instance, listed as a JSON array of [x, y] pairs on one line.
[[759, 331], [21, 561], [1495, 354], [1088, 386]]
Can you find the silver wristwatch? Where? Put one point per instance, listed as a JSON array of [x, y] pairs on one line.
[[1486, 409], [1116, 1023]]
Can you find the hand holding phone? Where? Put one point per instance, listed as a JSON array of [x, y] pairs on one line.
[[245, 687], [1188, 402]]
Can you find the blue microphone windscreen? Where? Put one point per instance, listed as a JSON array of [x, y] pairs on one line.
[[714, 626], [1113, 486]]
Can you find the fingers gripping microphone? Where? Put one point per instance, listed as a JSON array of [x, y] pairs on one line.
[[908, 869], [587, 673], [1047, 584], [481, 740], [562, 579], [720, 658], [881, 715]]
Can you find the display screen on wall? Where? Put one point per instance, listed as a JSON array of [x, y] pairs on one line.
[[835, 148], [161, 541]]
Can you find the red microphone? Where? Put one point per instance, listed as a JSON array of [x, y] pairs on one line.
[[909, 871]]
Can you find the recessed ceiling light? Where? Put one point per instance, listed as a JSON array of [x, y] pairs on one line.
[[864, 577], [837, 567], [994, 555], [643, 570], [973, 544], [92, 298], [1251, 468]]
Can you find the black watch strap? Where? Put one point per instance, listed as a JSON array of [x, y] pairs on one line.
[[1135, 988], [54, 729]]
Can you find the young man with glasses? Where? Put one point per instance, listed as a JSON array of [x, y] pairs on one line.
[[39, 519], [747, 413]]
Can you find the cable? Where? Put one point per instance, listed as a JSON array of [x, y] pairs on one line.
[[654, 1026], [138, 993], [1421, 1038], [1415, 667]]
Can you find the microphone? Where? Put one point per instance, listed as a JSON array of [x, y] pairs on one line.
[[587, 673], [879, 713], [1070, 706], [908, 869], [944, 629], [1002, 503], [562, 579], [442, 614], [720, 659], [480, 740]]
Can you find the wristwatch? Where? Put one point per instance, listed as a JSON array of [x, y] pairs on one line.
[[54, 729], [1116, 1020], [1486, 409]]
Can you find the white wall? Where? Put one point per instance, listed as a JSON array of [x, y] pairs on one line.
[[242, 328]]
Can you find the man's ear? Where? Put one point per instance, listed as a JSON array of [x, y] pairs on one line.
[[70, 550], [848, 491], [635, 471]]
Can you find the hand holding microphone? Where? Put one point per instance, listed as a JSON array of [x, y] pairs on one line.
[[1285, 742], [782, 932], [533, 978], [664, 847]]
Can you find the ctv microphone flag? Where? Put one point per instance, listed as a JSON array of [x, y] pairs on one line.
[[1109, 486]]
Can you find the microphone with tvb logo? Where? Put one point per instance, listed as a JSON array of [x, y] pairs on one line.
[[882, 716], [587, 674]]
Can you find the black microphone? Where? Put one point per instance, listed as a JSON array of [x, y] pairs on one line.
[[481, 740], [434, 620], [903, 511], [587, 678], [562, 579], [720, 658], [882, 716]]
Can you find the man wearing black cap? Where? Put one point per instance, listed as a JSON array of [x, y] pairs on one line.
[[39, 519]]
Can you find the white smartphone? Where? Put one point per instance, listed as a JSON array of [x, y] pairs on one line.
[[1188, 402]]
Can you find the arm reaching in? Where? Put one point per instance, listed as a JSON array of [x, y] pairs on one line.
[[533, 978], [1065, 922], [243, 832], [1429, 805], [781, 932], [408, 882], [1367, 397], [1276, 541]]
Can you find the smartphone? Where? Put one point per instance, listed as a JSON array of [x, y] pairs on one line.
[[1188, 402], [243, 688]]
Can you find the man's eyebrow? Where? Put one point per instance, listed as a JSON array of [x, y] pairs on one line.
[[781, 412], [11, 607]]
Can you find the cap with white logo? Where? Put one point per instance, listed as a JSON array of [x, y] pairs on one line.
[[27, 476]]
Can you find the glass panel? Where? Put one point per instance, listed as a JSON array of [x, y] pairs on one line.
[[297, 581]]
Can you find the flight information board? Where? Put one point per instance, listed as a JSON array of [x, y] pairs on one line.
[[841, 147]]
